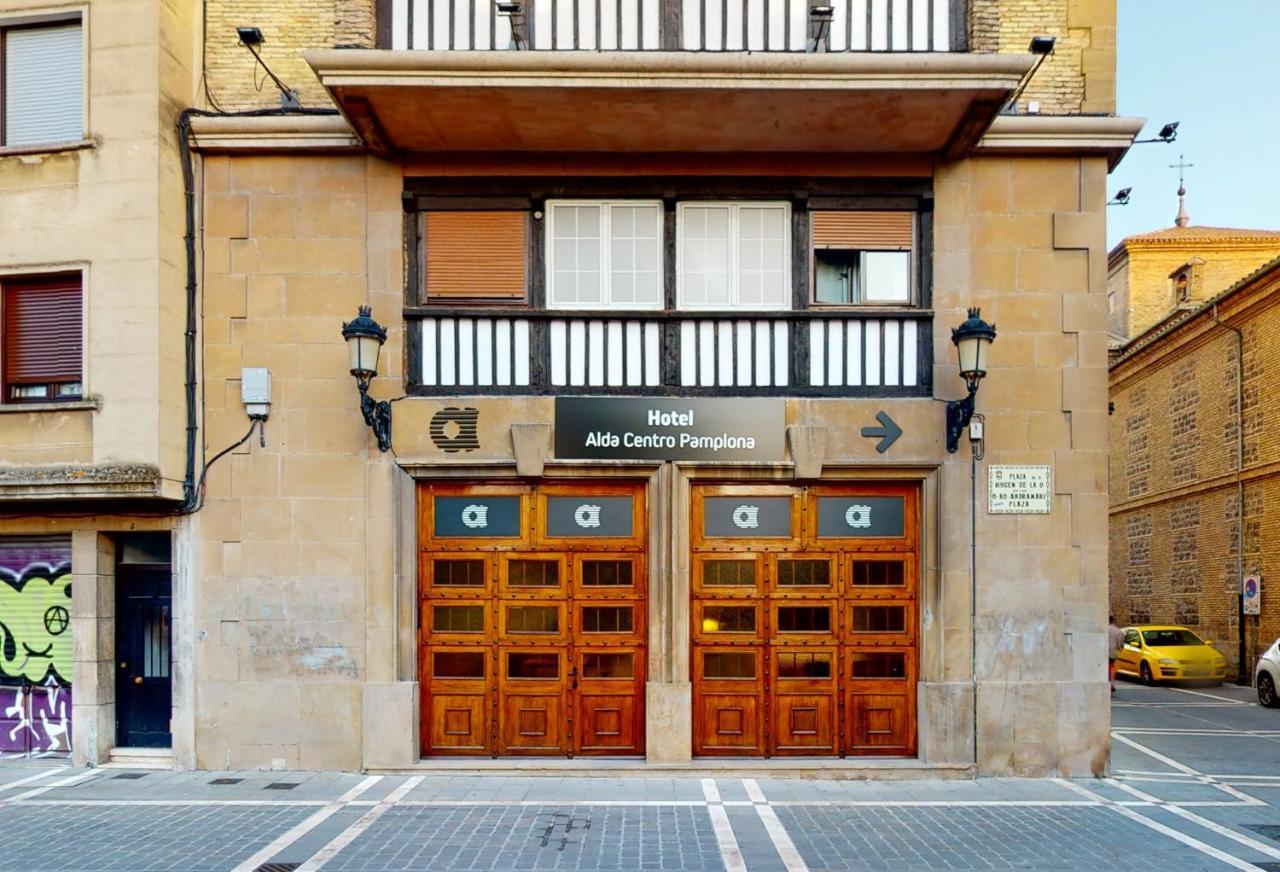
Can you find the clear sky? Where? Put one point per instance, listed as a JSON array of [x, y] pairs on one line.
[[1215, 67]]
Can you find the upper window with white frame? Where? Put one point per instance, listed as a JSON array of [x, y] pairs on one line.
[[733, 256], [41, 82], [604, 254], [863, 258]]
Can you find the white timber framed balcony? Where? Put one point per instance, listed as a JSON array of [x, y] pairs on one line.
[[684, 25], [804, 353]]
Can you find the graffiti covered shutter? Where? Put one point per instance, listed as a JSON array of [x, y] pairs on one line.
[[35, 645]]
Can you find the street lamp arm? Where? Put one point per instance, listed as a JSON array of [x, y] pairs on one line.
[[959, 413]]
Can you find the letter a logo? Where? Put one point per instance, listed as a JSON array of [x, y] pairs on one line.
[[475, 516], [858, 517], [587, 516], [746, 517]]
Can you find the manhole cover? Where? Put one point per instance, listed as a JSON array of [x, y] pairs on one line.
[[281, 785], [277, 867], [226, 781], [129, 776]]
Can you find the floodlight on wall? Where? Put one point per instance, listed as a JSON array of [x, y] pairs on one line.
[[364, 337], [972, 340], [820, 17], [513, 11], [1121, 198], [1041, 47], [252, 39], [1167, 134]]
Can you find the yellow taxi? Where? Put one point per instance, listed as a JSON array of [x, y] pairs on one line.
[[1157, 653]]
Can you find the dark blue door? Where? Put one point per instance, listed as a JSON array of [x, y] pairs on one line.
[[144, 688]]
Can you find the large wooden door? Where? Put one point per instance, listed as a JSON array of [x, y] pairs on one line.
[[532, 619], [804, 619]]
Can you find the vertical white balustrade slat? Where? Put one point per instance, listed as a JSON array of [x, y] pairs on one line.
[[502, 345], [891, 329], [839, 25], [745, 354], [484, 351], [466, 351], [608, 11], [502, 32], [835, 353], [942, 25], [634, 376], [461, 18], [652, 355], [421, 37], [781, 353], [706, 359], [724, 353], [920, 25], [799, 12], [630, 24], [899, 36], [763, 342], [817, 353], [448, 343], [559, 352], [587, 12], [564, 24], [910, 353], [614, 376], [521, 352], [541, 24], [853, 353], [734, 11], [717, 12], [755, 24], [860, 38], [596, 358], [688, 349], [441, 23], [652, 24], [484, 26], [879, 25], [690, 25], [400, 26], [871, 373], [429, 375], [577, 353]]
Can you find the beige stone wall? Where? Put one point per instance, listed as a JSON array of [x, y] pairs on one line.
[[1176, 519], [1024, 239], [99, 209], [1149, 289], [294, 535]]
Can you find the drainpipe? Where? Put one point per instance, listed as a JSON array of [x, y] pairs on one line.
[[1242, 678]]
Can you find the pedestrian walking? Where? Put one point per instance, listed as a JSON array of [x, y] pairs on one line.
[[1115, 641]]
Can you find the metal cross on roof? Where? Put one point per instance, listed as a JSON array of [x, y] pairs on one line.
[[1180, 166]]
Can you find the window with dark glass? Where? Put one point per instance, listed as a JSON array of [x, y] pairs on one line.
[[878, 573], [728, 664], [804, 573], [457, 664], [728, 619], [533, 665], [804, 619], [804, 664], [533, 619], [457, 619], [608, 666], [879, 664], [862, 258], [606, 573], [729, 573], [533, 573], [607, 619], [42, 339], [879, 619], [458, 573]]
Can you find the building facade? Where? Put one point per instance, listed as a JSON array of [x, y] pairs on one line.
[[1192, 483], [667, 291]]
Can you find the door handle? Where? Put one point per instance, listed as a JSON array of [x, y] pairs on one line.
[[573, 676], [137, 679]]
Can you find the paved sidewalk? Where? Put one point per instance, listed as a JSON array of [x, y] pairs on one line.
[[1197, 787]]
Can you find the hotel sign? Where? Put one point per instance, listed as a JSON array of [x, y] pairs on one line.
[[652, 428], [1018, 490]]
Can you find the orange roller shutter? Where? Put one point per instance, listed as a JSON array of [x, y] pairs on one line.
[[476, 255], [862, 230], [43, 336]]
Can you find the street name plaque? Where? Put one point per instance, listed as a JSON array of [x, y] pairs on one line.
[[1018, 490]]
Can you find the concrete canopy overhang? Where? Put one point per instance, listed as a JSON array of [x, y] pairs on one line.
[[540, 101]]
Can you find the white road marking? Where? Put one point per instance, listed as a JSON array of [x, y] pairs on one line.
[[1260, 847], [786, 848], [1151, 772], [349, 835], [1245, 799], [1181, 705], [1156, 755], [292, 835], [1211, 696], [180, 803], [1189, 841], [62, 782], [730, 853], [39, 775], [1193, 731]]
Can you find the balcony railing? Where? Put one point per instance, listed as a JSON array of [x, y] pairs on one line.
[[683, 25], [803, 353]]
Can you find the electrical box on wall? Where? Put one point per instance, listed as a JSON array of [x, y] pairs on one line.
[[255, 391]]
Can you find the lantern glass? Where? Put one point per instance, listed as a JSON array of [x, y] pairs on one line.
[[973, 355], [364, 354]]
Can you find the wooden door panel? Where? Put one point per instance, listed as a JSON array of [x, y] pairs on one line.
[[458, 724], [804, 723], [880, 724], [729, 723], [607, 724], [533, 723]]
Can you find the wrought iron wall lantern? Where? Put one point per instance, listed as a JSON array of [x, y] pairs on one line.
[[972, 339], [364, 338]]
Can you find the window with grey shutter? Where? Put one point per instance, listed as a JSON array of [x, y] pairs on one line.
[[43, 99]]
